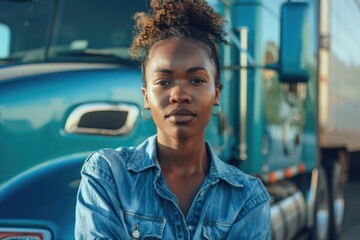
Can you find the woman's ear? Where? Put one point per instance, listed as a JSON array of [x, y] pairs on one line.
[[144, 92], [218, 89]]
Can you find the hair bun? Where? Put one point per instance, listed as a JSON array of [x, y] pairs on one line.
[[176, 19]]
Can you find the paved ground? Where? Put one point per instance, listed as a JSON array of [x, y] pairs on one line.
[[351, 226]]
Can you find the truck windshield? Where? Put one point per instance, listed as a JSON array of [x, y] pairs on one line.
[[66, 30]]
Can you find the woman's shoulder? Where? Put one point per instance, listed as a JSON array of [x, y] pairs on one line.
[[109, 159], [246, 185], [105, 160], [235, 175]]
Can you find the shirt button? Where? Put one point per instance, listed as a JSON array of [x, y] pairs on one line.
[[136, 234], [191, 228]]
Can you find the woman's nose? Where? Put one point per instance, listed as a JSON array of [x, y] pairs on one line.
[[179, 94]]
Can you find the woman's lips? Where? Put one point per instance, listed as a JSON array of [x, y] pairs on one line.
[[180, 115]]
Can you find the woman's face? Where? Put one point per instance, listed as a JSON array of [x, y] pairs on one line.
[[180, 87]]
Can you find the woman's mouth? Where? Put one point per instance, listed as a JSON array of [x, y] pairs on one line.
[[180, 115]]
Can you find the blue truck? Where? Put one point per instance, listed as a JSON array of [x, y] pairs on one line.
[[68, 87]]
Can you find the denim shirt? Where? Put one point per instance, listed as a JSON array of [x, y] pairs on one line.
[[123, 195]]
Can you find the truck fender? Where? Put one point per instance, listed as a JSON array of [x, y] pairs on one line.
[[46, 192]]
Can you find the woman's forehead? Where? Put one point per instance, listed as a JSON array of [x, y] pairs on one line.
[[184, 53]]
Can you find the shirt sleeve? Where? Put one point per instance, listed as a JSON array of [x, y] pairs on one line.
[[98, 212], [253, 222]]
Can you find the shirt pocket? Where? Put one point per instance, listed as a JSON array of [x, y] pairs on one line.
[[214, 230], [144, 227]]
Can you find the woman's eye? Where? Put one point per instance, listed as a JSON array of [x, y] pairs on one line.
[[163, 83], [197, 80]]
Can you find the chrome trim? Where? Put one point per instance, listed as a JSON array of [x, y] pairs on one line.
[[311, 197], [287, 216], [72, 122], [296, 138], [243, 91], [46, 233]]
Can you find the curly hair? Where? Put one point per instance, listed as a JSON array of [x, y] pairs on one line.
[[178, 19]]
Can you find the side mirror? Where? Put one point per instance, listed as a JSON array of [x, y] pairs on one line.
[[4, 40], [294, 60]]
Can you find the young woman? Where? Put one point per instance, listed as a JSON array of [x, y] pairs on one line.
[[173, 186]]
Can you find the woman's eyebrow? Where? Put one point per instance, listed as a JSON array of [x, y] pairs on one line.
[[163, 70], [194, 69], [169, 71]]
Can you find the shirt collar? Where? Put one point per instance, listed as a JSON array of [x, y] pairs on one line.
[[144, 157], [224, 171]]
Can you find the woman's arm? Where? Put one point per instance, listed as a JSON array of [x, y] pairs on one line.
[[98, 212], [253, 222]]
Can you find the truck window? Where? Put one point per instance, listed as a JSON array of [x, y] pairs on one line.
[[93, 28], [68, 30], [28, 22]]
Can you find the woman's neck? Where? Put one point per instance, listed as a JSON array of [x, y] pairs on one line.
[[183, 157]]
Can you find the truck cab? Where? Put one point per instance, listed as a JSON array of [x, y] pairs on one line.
[[68, 87]]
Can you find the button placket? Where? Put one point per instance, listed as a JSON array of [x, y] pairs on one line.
[[193, 219], [179, 225]]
